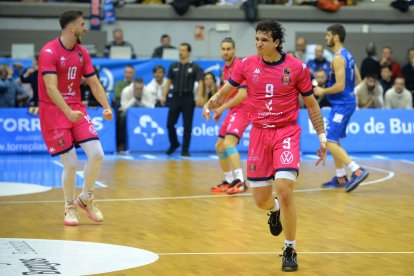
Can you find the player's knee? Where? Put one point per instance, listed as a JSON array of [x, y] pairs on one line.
[[97, 156], [261, 203], [220, 147]]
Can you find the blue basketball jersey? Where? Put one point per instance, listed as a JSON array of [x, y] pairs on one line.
[[347, 96]]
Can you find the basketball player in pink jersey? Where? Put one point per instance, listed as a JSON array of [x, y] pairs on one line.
[[274, 82], [232, 128], [63, 118]]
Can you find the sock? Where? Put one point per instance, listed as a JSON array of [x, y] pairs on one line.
[[353, 166], [238, 174], [340, 172], [94, 152], [290, 243], [70, 164], [276, 207], [228, 176]]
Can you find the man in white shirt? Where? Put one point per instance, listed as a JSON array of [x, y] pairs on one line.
[[153, 91], [398, 97], [132, 95]]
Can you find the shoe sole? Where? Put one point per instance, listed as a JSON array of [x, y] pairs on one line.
[[237, 192], [71, 223], [87, 212], [350, 189], [290, 269]]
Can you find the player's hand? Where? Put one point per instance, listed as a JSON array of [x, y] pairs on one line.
[[163, 101], [206, 112], [217, 114], [318, 91], [107, 114], [321, 154], [75, 115]]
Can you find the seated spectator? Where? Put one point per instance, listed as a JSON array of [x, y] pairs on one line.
[[369, 93], [118, 37], [398, 96], [129, 74], [370, 64], [387, 60], [210, 87], [132, 95], [153, 90], [386, 78], [306, 52], [319, 62], [10, 92], [165, 44], [408, 71], [321, 77], [30, 76]]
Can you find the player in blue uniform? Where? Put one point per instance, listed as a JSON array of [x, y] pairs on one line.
[[340, 93]]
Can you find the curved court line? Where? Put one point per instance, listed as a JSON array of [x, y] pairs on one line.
[[272, 253], [387, 177]]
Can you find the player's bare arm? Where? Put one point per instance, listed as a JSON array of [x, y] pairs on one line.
[[240, 96], [316, 118], [200, 92], [54, 94], [357, 76], [217, 99], [165, 92], [338, 65], [100, 95]]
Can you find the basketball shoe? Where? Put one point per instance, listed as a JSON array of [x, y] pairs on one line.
[[90, 208], [289, 259], [237, 187], [71, 215]]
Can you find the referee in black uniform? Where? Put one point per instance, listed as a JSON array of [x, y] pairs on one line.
[[182, 75]]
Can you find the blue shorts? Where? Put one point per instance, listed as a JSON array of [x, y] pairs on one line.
[[338, 121]]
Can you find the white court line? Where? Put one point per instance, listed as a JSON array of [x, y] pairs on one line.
[[272, 253], [381, 157], [390, 174], [407, 161], [127, 157], [80, 173]]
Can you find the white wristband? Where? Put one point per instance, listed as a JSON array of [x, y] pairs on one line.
[[322, 137]]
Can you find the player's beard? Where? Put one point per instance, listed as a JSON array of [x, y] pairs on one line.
[[78, 38], [330, 43]]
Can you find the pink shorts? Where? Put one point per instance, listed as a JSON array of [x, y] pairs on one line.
[[272, 150], [59, 133], [235, 123]]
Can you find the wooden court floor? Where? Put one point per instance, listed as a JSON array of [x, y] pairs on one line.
[[166, 207]]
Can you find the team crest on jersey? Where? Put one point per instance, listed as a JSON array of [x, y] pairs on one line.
[[62, 61], [80, 57], [252, 167], [286, 71], [61, 142], [286, 79]]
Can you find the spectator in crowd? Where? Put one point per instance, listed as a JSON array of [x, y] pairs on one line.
[[408, 71], [165, 44], [87, 96], [210, 87], [370, 65], [300, 49], [182, 75], [369, 93], [30, 76], [387, 60], [386, 78], [321, 78], [131, 97], [118, 36], [153, 90], [129, 74], [319, 62], [398, 96], [10, 92]]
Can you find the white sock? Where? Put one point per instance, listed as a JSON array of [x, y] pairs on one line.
[[340, 172], [290, 243], [228, 176], [276, 207], [70, 164], [238, 174], [94, 153], [353, 166]]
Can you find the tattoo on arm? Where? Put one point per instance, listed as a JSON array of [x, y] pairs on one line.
[[317, 121]]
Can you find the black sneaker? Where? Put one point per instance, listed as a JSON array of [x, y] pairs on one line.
[[172, 149], [289, 261], [274, 223], [185, 154]]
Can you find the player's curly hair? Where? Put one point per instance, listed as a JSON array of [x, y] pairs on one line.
[[275, 29]]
